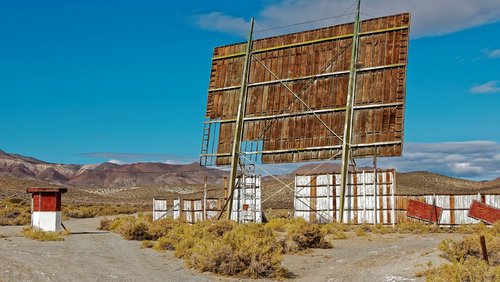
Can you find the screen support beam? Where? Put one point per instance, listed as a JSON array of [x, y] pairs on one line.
[[346, 144], [238, 133]]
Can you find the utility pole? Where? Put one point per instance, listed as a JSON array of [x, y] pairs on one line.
[[238, 133], [346, 144]]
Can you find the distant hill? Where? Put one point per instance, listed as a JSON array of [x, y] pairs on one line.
[[107, 174]]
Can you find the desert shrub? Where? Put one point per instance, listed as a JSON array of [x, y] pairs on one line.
[[97, 210], [469, 246], [417, 227], [14, 211], [246, 250], [381, 229], [161, 227], [472, 269], [276, 213], [40, 235], [105, 224], [300, 235], [335, 230], [473, 228], [363, 229], [131, 228], [147, 244], [465, 257]]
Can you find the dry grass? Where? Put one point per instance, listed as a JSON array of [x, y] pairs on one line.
[[14, 211], [465, 258], [90, 211], [40, 235]]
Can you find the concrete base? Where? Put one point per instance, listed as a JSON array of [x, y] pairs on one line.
[[47, 221]]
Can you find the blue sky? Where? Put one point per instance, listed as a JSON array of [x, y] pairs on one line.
[[93, 81]]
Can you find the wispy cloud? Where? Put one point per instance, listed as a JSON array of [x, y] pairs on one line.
[[489, 87], [221, 22], [124, 158], [492, 54], [429, 17]]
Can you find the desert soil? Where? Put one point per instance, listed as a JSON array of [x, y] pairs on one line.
[[92, 255]]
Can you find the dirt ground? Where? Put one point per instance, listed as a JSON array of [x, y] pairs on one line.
[[92, 255]]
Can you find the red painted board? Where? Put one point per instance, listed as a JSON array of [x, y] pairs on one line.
[[424, 211], [484, 212]]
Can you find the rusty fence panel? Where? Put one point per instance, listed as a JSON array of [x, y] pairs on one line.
[[484, 212], [455, 207], [368, 199]]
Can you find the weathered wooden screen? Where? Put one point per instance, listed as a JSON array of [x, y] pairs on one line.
[[298, 84]]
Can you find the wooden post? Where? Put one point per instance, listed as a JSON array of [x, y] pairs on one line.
[[484, 251], [204, 217]]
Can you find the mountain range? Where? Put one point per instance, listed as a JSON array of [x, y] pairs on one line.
[[107, 174], [111, 175]]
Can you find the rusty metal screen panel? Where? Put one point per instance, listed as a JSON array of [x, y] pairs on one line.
[[424, 211], [484, 212], [313, 66]]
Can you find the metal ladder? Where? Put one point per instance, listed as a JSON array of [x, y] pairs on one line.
[[205, 144]]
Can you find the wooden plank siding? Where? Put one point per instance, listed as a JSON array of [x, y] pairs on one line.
[[294, 133]]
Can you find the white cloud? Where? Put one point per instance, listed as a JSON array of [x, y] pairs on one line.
[[466, 168], [492, 54], [429, 17], [489, 87], [474, 159], [116, 162], [220, 21]]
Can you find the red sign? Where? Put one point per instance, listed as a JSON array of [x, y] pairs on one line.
[[424, 211], [484, 212]]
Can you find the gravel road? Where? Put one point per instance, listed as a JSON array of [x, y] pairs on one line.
[[92, 255]]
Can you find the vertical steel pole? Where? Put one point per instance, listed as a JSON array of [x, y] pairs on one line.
[[238, 132], [346, 144]]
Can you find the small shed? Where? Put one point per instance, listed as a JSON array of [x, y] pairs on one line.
[[46, 208]]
